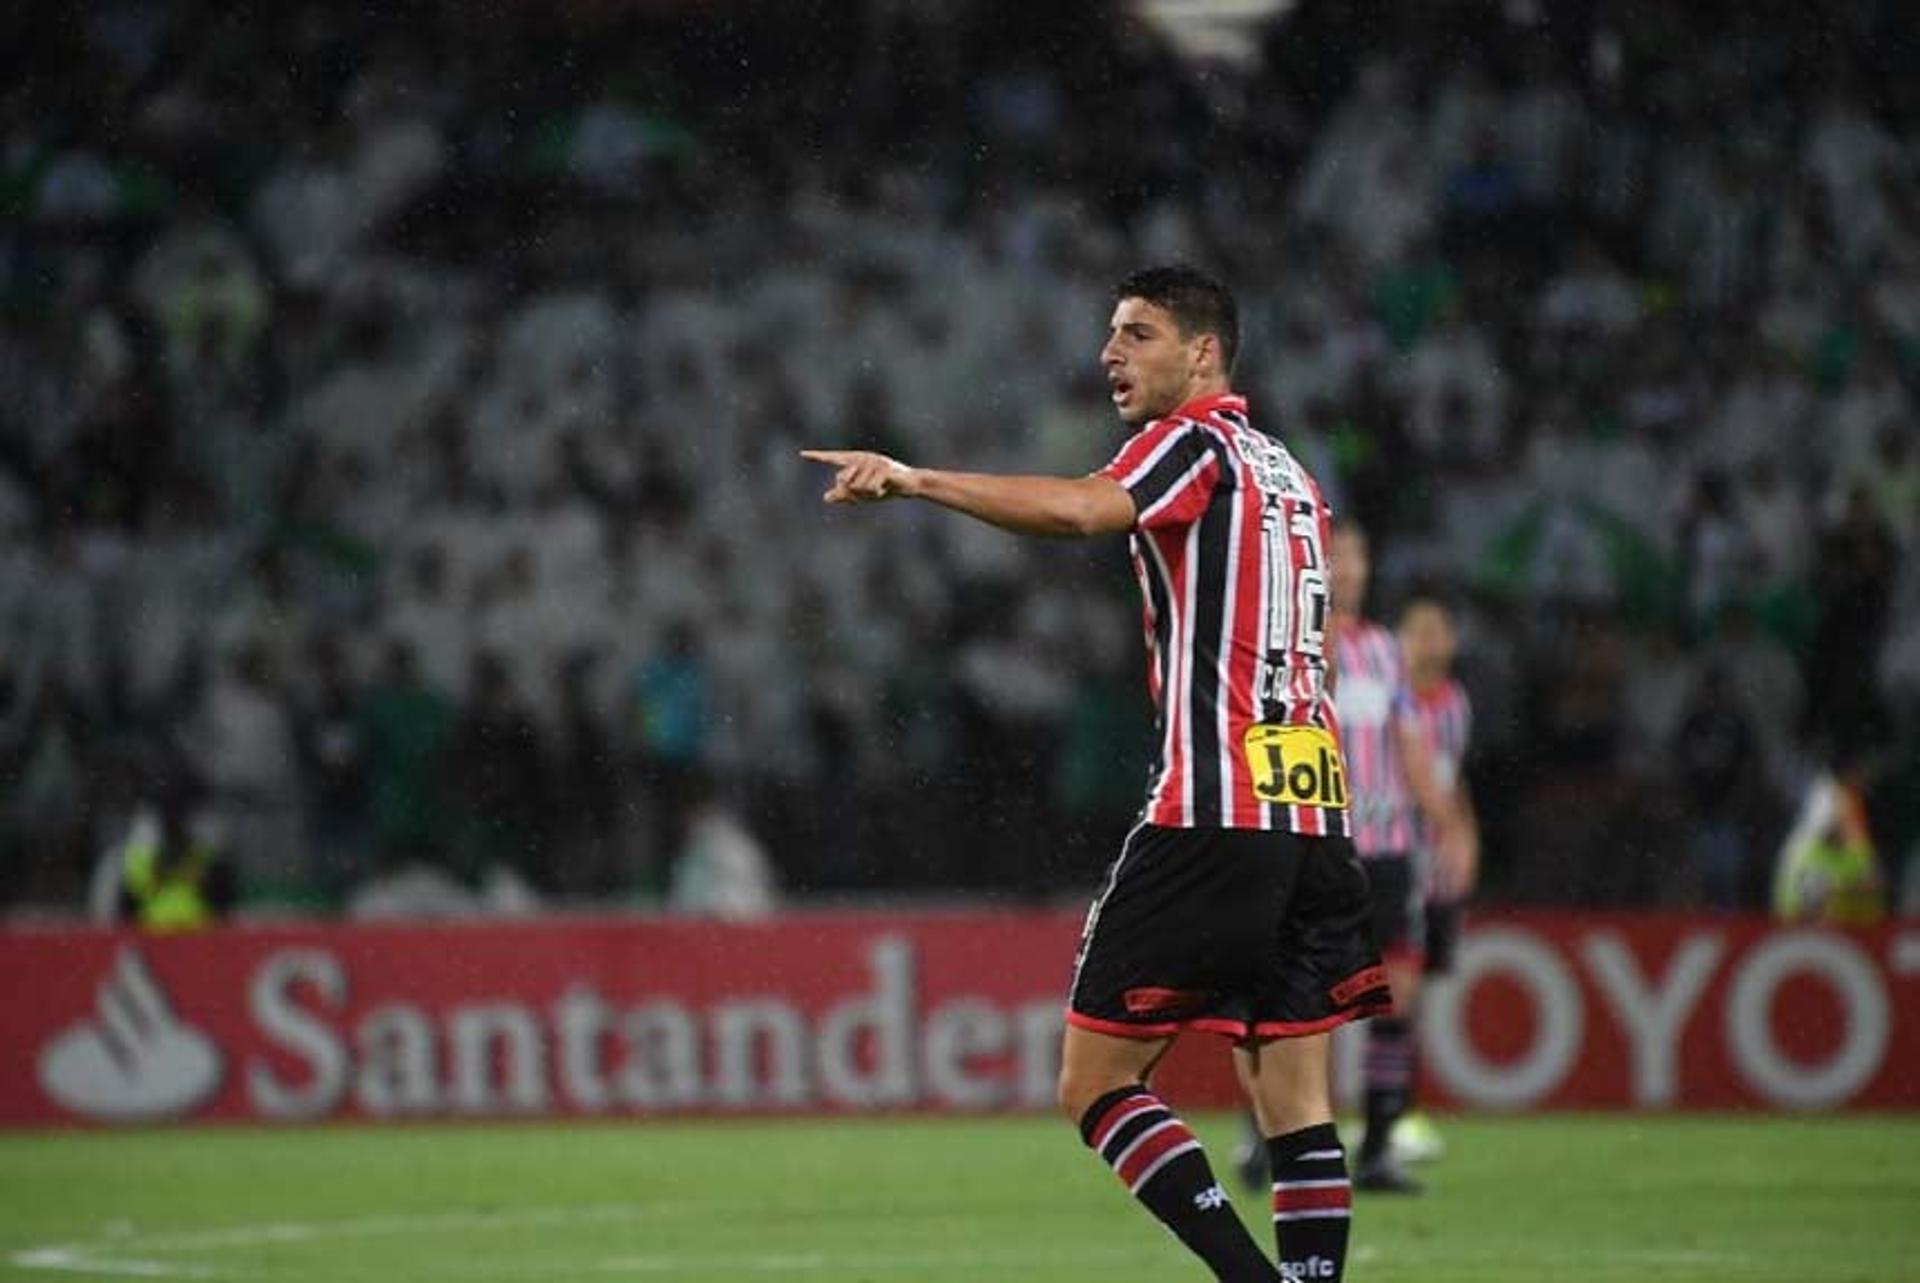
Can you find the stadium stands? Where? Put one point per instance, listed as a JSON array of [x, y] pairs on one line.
[[401, 416]]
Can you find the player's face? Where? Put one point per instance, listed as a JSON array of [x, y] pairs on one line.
[[1149, 365], [1350, 570], [1426, 638]]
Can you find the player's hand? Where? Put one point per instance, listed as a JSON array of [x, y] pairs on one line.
[[865, 477]]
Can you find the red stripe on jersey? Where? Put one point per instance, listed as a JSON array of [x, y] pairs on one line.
[[1165, 446], [1145, 448], [1148, 621], [1445, 717], [1187, 499], [1167, 555], [1305, 689], [1242, 663]]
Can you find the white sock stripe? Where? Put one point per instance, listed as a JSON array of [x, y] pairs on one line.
[[1325, 1184], [1119, 1159], [1316, 1214], [1319, 1155], [1147, 1105], [1162, 1161]]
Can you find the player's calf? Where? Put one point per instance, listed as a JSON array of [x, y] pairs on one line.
[[1312, 1203], [1161, 1163]]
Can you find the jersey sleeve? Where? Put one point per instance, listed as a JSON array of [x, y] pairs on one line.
[[1170, 471]]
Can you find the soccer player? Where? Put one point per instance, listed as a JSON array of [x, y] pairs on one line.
[[1236, 905], [1428, 644], [1394, 790]]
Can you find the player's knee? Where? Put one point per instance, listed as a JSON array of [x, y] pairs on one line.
[[1073, 1096], [1079, 1087]]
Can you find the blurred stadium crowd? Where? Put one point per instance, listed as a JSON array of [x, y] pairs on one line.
[[401, 415]]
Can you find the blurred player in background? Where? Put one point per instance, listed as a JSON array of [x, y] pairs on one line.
[[1428, 644], [1828, 869], [1399, 802], [1237, 905]]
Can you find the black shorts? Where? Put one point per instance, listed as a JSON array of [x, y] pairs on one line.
[[1233, 931], [1443, 935], [1399, 907]]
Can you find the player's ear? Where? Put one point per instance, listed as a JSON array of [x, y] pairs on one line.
[[1206, 350]]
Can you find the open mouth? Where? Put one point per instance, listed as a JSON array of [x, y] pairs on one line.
[[1122, 389]]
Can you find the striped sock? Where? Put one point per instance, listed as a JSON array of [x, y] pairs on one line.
[[1312, 1203], [1163, 1166], [1388, 1074]]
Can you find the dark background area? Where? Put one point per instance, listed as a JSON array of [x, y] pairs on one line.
[[398, 411]]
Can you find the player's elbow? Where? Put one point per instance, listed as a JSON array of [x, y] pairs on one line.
[[1077, 522]]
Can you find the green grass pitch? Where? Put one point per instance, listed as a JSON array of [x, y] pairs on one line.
[[1525, 1200]]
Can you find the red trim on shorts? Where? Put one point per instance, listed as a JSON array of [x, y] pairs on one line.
[[1161, 1029], [1235, 1029], [1304, 1028], [1219, 1025], [1119, 1030]]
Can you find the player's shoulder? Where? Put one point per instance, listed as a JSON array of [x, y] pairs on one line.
[[1144, 450], [1373, 633], [1370, 643], [1166, 430]]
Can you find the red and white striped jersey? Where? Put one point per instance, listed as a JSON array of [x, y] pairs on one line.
[[1445, 715], [1229, 546], [1370, 688]]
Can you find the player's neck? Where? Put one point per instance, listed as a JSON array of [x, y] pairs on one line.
[[1426, 681], [1206, 389]]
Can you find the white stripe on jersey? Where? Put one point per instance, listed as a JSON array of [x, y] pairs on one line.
[[1190, 610], [1169, 714], [1177, 490], [1160, 452], [1224, 704]]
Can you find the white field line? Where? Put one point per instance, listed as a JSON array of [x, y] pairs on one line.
[[79, 1260], [708, 1265], [122, 1255], [1024, 1263]]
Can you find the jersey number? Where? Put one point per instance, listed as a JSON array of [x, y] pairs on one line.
[[1297, 619]]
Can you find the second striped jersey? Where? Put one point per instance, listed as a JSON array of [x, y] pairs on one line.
[[1445, 715], [1229, 547], [1371, 689]]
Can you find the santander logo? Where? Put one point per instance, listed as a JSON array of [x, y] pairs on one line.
[[134, 1061]]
